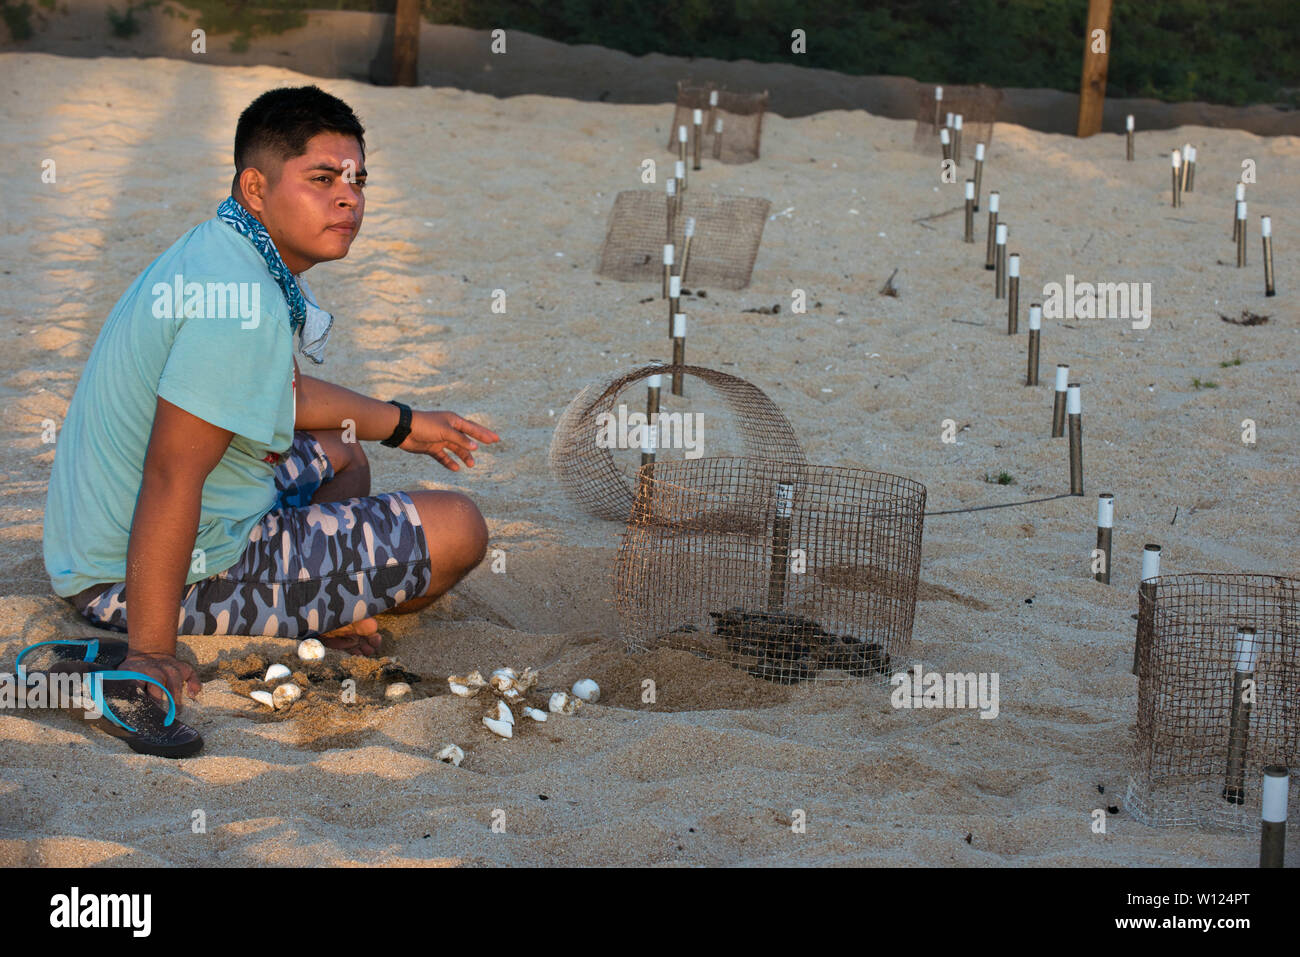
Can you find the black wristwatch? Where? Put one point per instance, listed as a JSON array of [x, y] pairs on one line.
[[403, 426]]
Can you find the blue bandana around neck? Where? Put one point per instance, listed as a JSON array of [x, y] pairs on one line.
[[305, 318]]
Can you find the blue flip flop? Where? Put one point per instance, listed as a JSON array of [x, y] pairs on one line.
[[133, 716], [108, 652], [129, 713]]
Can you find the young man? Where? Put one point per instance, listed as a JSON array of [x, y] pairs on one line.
[[204, 485]]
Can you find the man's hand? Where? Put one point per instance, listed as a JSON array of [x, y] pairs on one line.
[[440, 434], [172, 672]]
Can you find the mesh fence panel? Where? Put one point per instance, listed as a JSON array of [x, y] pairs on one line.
[[585, 466], [790, 572], [978, 106], [728, 230], [741, 115], [1193, 758]]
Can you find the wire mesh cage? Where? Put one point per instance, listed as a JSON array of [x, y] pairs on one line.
[[978, 106], [790, 572], [1218, 698], [741, 115], [728, 230], [583, 462]]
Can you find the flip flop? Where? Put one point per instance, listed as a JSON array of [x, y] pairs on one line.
[[108, 652], [128, 712], [132, 715]]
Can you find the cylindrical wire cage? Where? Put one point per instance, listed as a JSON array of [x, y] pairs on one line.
[[584, 465], [1206, 728], [790, 572]]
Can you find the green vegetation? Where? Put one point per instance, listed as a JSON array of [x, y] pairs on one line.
[[1002, 478], [18, 19], [1204, 384], [1234, 361], [1172, 50]]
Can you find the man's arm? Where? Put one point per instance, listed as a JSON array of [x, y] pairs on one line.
[[324, 405], [183, 450]]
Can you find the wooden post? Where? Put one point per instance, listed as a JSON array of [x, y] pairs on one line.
[[406, 43], [1092, 88]]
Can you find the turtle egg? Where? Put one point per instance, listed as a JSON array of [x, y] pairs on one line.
[[311, 650], [505, 673], [263, 697], [398, 689], [285, 694], [587, 690], [535, 714], [276, 672], [563, 703], [500, 728], [451, 755]]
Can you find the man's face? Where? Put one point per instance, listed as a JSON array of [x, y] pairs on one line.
[[313, 209]]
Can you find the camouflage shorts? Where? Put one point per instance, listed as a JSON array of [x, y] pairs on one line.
[[308, 569]]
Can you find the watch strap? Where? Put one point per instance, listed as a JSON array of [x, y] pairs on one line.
[[403, 425]]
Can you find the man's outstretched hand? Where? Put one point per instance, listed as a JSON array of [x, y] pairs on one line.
[[444, 434]]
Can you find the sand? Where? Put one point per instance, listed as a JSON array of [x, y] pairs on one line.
[[471, 194]]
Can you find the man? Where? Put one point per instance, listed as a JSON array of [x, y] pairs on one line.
[[204, 485]]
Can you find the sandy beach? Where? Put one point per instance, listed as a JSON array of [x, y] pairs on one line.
[[469, 194]]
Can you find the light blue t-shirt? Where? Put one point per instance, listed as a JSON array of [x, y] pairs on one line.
[[205, 327]]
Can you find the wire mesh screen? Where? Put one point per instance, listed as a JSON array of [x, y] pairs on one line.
[[728, 230], [741, 115], [978, 106], [583, 461], [1218, 699], [790, 572]]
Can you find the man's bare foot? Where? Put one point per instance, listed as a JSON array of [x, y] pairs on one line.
[[359, 638]]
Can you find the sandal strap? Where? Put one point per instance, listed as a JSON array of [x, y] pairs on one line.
[[97, 679], [91, 645]]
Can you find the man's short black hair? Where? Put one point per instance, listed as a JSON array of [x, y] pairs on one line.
[[281, 121]]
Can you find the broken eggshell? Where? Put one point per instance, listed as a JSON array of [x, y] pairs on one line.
[[563, 703], [263, 697], [587, 690], [276, 672], [285, 695], [468, 686], [451, 755], [535, 714], [398, 689]]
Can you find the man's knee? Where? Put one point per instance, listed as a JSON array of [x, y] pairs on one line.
[[453, 526], [344, 456]]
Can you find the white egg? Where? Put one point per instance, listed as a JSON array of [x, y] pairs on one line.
[[398, 689], [285, 694], [499, 728], [535, 714], [504, 713], [505, 673], [451, 755], [276, 672], [587, 690], [563, 703], [311, 650], [264, 697]]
